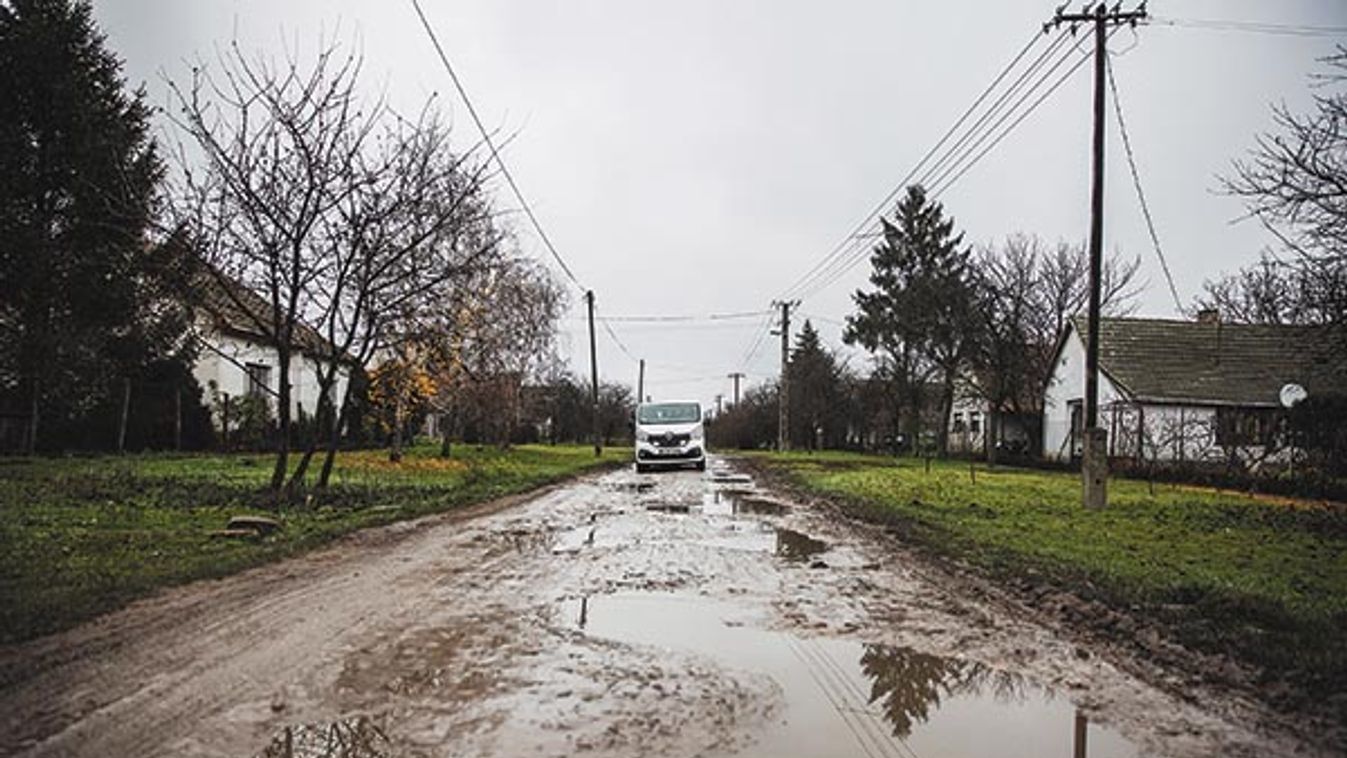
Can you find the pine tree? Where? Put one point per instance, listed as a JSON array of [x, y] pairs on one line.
[[78, 172], [815, 392], [919, 316]]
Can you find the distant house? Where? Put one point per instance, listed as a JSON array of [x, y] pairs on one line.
[[1176, 390], [236, 359], [970, 422]]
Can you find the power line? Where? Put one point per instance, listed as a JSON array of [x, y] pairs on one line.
[[858, 249], [976, 128], [1255, 27], [616, 340], [763, 330], [685, 318], [1025, 114], [491, 145], [879, 209], [1141, 196]]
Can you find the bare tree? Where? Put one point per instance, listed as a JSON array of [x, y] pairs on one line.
[[1025, 295], [1295, 183], [1272, 291], [504, 333], [409, 236], [279, 144]]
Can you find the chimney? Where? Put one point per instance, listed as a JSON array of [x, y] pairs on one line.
[[1208, 316]]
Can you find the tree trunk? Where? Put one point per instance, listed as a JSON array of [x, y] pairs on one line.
[[124, 416], [946, 405], [283, 422], [990, 437], [310, 447], [395, 452], [34, 406], [334, 438], [177, 419]]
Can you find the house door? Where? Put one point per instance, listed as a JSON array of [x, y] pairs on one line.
[[1077, 412]]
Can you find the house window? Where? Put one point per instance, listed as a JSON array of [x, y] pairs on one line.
[[958, 421], [259, 379], [1245, 426], [975, 422]]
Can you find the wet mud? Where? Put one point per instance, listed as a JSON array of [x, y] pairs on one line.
[[679, 613]]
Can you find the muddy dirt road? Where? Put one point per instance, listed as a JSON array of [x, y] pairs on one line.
[[621, 615]]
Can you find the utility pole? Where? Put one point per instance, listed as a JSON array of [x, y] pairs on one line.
[[640, 383], [1094, 464], [783, 394], [719, 407], [594, 374], [736, 376]]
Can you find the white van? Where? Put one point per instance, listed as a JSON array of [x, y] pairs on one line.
[[670, 434]]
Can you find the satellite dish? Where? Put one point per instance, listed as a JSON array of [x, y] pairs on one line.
[[1291, 394]]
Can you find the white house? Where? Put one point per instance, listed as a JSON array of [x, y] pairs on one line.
[[1185, 390], [236, 359]]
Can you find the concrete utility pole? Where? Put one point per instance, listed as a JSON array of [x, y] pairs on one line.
[[783, 395], [719, 407], [1094, 464], [736, 376], [594, 374], [640, 383]]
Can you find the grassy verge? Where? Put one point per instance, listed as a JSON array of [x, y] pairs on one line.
[[79, 537], [1264, 579]]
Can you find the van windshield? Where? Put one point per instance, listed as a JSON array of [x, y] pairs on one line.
[[669, 413]]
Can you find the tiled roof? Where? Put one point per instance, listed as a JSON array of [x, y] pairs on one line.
[[1217, 363], [235, 309]]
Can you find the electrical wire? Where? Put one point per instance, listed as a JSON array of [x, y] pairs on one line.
[[1025, 114], [491, 145], [858, 249], [963, 148], [1141, 196], [838, 249], [616, 340], [1255, 27], [707, 317]]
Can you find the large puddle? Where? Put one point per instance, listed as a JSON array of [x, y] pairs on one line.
[[843, 698], [359, 737]]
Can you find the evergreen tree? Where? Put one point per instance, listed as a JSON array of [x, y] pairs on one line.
[[815, 394], [78, 171], [920, 315]]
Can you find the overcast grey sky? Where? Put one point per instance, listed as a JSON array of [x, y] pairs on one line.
[[698, 157]]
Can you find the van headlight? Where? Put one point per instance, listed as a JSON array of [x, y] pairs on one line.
[[642, 435]]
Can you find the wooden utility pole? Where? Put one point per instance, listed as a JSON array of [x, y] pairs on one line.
[[1094, 463], [640, 383], [783, 395], [736, 376], [593, 374]]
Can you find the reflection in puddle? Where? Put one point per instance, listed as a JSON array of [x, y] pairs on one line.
[[359, 737], [794, 546], [668, 507], [847, 698], [739, 502]]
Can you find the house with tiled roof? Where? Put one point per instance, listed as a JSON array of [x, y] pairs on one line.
[[237, 359], [1187, 390]]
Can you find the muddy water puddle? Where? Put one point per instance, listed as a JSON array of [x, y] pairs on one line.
[[839, 697], [358, 737]]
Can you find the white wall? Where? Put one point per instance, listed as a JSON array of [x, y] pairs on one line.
[[1168, 432], [213, 371], [963, 438], [1066, 384]]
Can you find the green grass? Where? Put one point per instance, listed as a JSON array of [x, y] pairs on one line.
[[81, 537], [1262, 578]]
